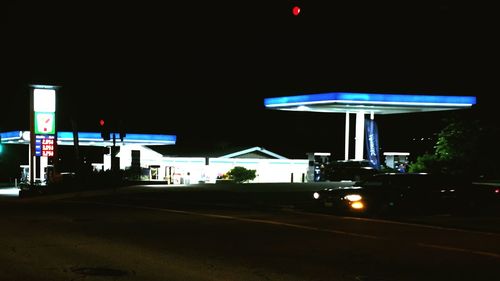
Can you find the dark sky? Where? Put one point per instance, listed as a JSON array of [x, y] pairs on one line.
[[200, 69]]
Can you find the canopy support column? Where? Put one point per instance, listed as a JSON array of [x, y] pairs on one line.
[[346, 151], [360, 136]]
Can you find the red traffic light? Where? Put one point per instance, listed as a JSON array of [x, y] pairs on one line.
[[101, 122], [296, 10]]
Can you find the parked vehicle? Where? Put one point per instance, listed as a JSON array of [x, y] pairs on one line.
[[349, 170], [410, 193]]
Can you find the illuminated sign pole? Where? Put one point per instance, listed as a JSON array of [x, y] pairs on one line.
[[43, 140]]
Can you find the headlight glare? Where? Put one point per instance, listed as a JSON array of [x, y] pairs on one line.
[[316, 195], [353, 197]]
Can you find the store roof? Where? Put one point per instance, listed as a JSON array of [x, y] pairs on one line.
[[234, 152]]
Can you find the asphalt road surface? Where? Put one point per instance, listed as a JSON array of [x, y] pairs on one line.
[[174, 234]]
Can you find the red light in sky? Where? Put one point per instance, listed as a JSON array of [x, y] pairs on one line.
[[101, 122], [296, 10]]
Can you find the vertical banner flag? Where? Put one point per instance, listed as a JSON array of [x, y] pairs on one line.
[[371, 133]]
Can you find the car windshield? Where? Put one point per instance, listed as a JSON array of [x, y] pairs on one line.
[[385, 180]]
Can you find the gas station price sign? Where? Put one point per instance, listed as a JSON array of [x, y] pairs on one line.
[[45, 145]]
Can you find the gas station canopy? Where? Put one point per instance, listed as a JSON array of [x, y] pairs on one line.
[[341, 102], [92, 138], [361, 104]]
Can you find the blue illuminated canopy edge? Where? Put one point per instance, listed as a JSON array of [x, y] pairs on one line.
[[11, 135], [128, 137], [94, 136], [363, 97]]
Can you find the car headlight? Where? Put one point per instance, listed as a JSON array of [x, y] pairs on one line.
[[358, 205], [316, 195], [353, 197]]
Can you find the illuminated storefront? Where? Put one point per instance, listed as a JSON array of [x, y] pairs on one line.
[[141, 150], [210, 167]]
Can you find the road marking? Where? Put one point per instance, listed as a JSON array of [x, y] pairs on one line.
[[468, 251], [404, 224], [298, 226]]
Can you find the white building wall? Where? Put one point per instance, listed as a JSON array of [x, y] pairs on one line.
[[191, 170], [267, 170], [148, 156], [107, 162], [283, 171]]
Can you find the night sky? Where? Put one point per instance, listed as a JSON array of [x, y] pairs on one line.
[[201, 69]]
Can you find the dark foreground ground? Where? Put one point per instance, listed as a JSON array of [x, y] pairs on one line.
[[250, 232]]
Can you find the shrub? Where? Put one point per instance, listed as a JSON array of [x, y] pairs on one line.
[[241, 174]]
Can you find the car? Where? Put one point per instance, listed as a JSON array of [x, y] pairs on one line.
[[349, 170], [409, 193], [484, 197]]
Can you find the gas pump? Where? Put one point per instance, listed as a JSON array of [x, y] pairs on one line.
[[24, 175], [317, 163]]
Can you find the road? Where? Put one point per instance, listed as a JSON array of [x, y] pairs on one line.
[[173, 234]]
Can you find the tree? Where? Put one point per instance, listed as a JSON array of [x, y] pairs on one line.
[[426, 163], [241, 174], [463, 148], [457, 147]]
